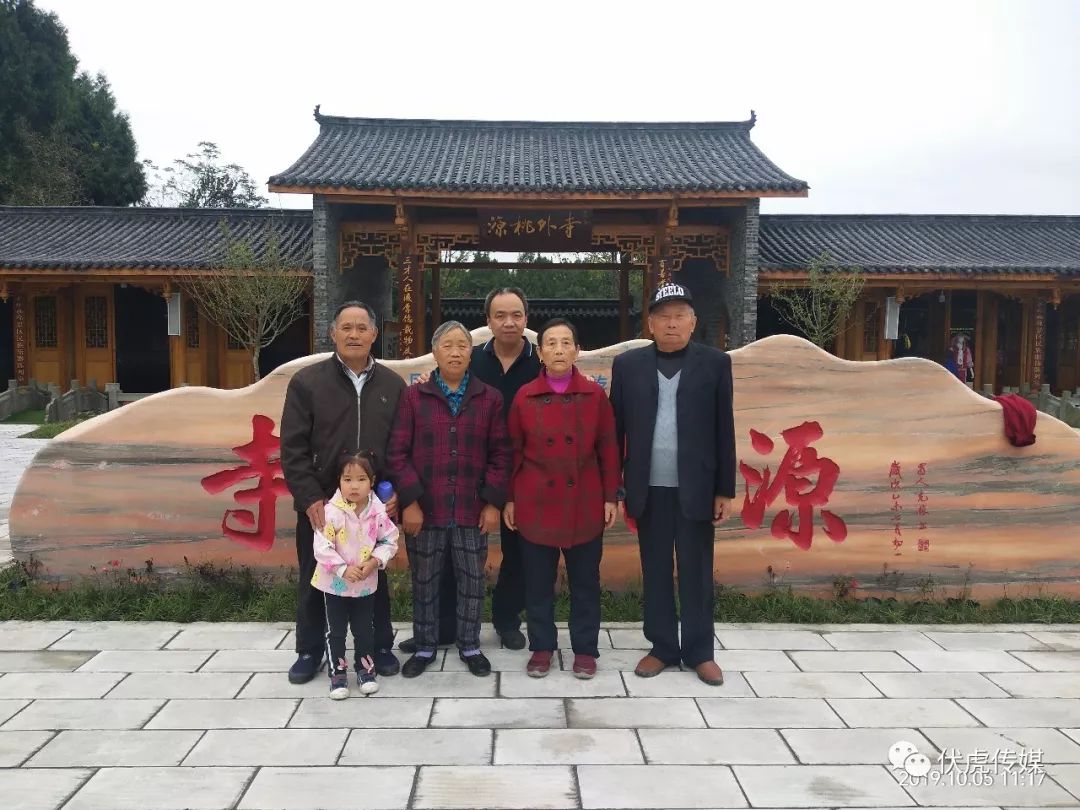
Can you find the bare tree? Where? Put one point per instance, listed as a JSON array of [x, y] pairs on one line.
[[820, 306], [252, 292]]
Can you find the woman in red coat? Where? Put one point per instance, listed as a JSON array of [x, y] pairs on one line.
[[562, 495]]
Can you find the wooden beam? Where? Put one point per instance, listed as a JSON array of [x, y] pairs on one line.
[[936, 281], [515, 265]]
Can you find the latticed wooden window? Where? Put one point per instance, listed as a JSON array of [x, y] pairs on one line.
[[97, 322], [232, 343], [45, 322], [871, 327], [191, 325]]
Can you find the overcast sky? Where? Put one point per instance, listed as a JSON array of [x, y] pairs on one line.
[[912, 107]]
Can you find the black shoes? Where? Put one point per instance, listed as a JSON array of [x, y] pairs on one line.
[[512, 639], [386, 663], [416, 665], [409, 645], [305, 668], [477, 664]]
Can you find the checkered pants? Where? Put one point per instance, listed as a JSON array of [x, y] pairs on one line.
[[427, 552]]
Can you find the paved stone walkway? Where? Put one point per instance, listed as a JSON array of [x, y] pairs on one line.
[[15, 456], [126, 715]]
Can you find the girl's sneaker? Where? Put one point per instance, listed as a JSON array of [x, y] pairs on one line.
[[367, 682], [339, 685]]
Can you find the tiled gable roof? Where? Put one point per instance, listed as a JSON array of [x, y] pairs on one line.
[[535, 157], [897, 243], [151, 238]]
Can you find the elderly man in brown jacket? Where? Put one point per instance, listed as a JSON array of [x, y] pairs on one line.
[[346, 402]]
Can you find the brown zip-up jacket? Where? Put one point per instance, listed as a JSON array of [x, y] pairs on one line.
[[324, 418]]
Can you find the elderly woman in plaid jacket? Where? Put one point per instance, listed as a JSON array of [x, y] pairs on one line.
[[562, 495], [449, 457]]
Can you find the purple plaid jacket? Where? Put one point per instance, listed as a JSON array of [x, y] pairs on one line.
[[452, 465]]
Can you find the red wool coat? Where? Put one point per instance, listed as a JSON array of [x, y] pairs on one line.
[[566, 461]]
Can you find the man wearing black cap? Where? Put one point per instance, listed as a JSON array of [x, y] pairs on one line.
[[675, 420]]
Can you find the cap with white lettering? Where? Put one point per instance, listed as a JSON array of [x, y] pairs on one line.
[[670, 292]]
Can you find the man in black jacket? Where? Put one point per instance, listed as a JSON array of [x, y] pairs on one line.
[[674, 418], [346, 402]]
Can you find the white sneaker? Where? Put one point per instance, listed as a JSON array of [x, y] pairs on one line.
[[368, 684], [339, 686]]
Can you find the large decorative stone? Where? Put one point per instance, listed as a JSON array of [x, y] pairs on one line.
[[890, 474]]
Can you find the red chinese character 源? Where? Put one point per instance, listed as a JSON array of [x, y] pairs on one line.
[[793, 477], [262, 455]]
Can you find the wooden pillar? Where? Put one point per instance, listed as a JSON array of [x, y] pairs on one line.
[[1038, 342], [986, 345], [624, 297], [411, 303], [436, 294], [21, 354], [1027, 324]]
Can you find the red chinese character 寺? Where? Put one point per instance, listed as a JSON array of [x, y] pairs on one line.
[[262, 455], [793, 477]]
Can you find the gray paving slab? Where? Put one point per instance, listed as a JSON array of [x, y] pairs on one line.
[[1001, 790], [42, 661], [250, 661], [1053, 745], [752, 660], [268, 746], [17, 746], [217, 636], [84, 714], [52, 685], [30, 635], [501, 660], [298, 788], [988, 640], [146, 661], [276, 685], [119, 636], [98, 749], [498, 787], [567, 746], [934, 684], [1038, 684], [206, 714], [768, 713], [1058, 640], [8, 708], [161, 789], [636, 713], [851, 746], [373, 712], [772, 640], [686, 684], [418, 746], [1059, 661], [880, 640], [178, 685], [965, 661], [913, 712], [560, 683], [499, 713], [1066, 775], [819, 786], [714, 746], [641, 786], [811, 684], [1052, 712], [850, 661], [35, 789]]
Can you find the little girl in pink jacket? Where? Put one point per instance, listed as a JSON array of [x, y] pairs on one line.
[[359, 539]]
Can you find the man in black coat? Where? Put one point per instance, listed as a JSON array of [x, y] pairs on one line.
[[675, 421], [344, 403]]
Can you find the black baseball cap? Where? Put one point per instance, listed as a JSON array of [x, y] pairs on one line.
[[670, 292]]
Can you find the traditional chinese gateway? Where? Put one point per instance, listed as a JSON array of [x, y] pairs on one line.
[[84, 292]]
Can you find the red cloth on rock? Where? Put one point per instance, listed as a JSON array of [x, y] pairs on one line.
[[1019, 417]]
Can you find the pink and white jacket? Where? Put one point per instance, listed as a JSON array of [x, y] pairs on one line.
[[350, 539]]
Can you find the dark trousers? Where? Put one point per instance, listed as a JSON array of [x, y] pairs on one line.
[[508, 598], [343, 612], [311, 609], [664, 532], [428, 551], [583, 576]]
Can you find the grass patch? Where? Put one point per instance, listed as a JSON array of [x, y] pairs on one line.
[[50, 430], [221, 594], [36, 417]]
